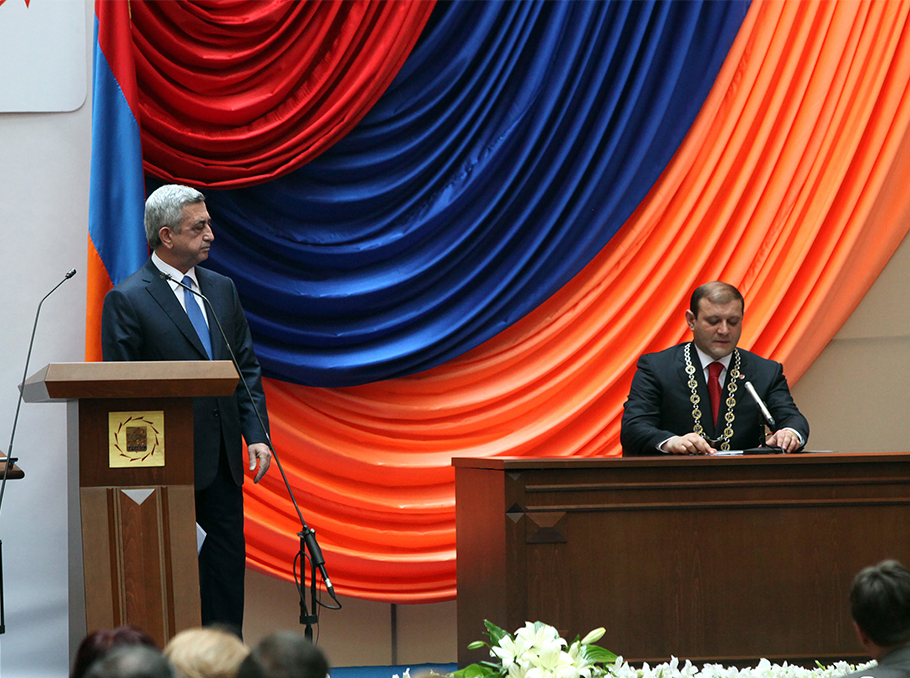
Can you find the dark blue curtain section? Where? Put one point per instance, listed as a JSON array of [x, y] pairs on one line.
[[516, 140]]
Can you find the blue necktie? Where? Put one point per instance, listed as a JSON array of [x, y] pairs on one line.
[[196, 317]]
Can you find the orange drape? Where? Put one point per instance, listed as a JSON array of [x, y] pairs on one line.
[[792, 184]]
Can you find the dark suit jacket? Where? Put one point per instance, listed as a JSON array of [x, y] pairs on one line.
[[658, 406], [142, 320], [895, 664]]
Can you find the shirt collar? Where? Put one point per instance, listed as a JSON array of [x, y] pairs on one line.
[[164, 267], [706, 360]]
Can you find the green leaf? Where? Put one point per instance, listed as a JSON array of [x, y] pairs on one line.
[[474, 671], [477, 644], [494, 667], [496, 634], [595, 653]]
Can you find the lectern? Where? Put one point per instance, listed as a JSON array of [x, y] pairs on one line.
[[131, 433]]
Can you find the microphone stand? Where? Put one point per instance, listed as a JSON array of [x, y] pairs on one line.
[[10, 459], [307, 534]]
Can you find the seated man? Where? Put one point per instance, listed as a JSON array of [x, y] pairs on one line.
[[691, 398], [880, 605]]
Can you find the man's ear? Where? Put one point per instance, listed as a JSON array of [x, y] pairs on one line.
[[871, 648], [690, 319], [165, 234]]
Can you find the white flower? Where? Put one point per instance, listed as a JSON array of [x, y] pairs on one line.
[[539, 636], [510, 650], [594, 636], [552, 662]]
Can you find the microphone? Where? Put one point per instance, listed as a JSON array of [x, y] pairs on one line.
[[761, 405], [9, 450], [31, 343], [308, 534]]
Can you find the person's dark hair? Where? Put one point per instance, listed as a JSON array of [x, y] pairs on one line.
[[98, 643], [284, 655], [880, 603], [164, 207], [716, 292], [132, 661]]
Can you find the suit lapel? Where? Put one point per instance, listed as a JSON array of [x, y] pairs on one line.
[[162, 293]]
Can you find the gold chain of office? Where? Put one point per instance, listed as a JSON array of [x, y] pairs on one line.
[[724, 440]]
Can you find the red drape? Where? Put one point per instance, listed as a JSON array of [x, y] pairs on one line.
[[213, 111]]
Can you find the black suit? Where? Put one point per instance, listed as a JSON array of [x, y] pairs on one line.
[[895, 664], [143, 320], [659, 406]]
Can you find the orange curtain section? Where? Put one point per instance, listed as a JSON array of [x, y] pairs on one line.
[[792, 185]]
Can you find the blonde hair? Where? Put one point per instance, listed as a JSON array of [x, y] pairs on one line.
[[206, 653]]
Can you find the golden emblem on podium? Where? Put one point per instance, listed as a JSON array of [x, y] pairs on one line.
[[136, 439]]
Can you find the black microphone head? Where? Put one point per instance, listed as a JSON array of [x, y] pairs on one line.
[[164, 276], [70, 274]]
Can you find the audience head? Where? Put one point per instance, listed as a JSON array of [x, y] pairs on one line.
[[95, 645], [206, 653], [132, 661], [880, 605], [284, 655]]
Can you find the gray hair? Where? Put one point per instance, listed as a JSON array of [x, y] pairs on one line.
[[164, 207]]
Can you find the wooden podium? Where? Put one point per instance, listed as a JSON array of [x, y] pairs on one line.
[[131, 430], [712, 559]]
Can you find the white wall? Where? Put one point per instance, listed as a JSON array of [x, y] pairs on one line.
[[44, 183]]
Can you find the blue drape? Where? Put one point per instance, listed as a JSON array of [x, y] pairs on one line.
[[515, 141]]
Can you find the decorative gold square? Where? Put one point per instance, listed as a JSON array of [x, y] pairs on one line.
[[136, 439]]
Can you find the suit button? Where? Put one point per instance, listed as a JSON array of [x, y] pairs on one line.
[[216, 413]]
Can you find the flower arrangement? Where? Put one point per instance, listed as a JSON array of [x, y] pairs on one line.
[[537, 651]]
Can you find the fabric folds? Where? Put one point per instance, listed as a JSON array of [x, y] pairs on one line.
[[790, 184], [475, 188], [455, 227], [234, 93]]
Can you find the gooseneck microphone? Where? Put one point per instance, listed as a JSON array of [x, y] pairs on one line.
[[9, 450], [28, 357], [761, 405], [307, 534]]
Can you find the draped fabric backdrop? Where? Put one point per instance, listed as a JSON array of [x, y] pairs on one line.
[[455, 227]]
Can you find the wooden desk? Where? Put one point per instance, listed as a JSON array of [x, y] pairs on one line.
[[720, 559]]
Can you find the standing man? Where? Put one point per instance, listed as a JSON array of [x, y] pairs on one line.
[[691, 398], [880, 606], [148, 317]]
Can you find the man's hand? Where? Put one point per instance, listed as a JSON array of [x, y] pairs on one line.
[[259, 452], [691, 443], [786, 439]]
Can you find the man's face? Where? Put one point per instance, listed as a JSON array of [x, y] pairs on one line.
[[188, 245], [717, 327]]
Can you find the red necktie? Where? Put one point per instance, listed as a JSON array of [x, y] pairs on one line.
[[714, 388]]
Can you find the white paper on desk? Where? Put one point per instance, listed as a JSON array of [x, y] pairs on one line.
[[200, 537], [727, 453]]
